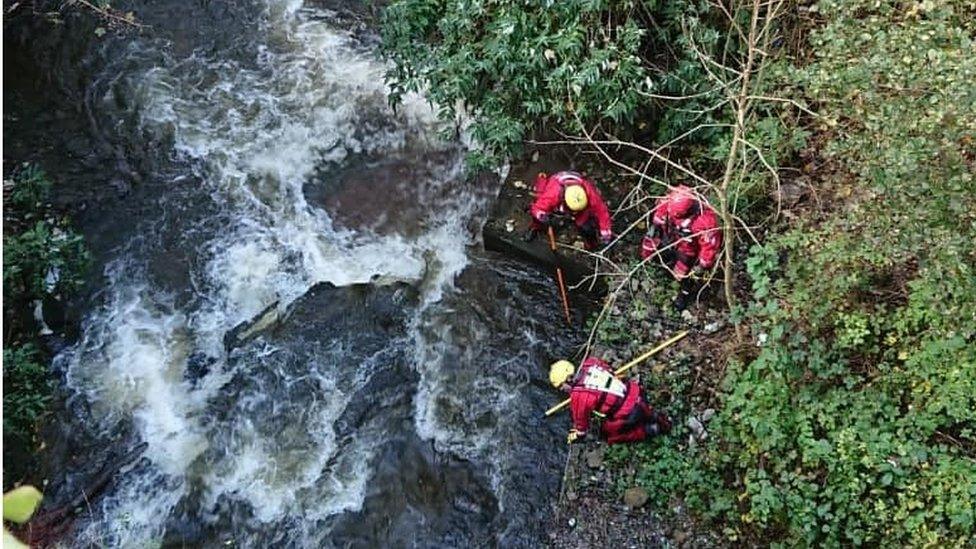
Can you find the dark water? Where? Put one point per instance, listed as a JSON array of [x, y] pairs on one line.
[[237, 155]]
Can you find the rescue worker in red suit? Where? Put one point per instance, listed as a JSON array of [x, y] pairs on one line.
[[686, 231], [595, 390], [570, 193]]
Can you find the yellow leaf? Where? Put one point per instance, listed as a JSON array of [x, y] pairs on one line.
[[20, 503]]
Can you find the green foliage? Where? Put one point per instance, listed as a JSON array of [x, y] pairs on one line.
[[855, 421], [42, 258], [26, 391], [514, 64], [39, 250], [30, 191], [519, 67], [46, 246]]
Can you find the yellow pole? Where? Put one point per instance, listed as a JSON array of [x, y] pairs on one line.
[[627, 366]]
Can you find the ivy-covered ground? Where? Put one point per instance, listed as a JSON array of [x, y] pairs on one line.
[[847, 413]]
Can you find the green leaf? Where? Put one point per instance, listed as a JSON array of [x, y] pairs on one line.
[[20, 503]]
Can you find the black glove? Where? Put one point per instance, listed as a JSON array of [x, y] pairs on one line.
[[663, 422], [682, 300]]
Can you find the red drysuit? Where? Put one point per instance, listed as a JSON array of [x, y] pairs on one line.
[[549, 192], [626, 414], [691, 225]]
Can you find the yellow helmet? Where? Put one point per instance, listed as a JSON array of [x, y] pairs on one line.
[[576, 198], [560, 371]]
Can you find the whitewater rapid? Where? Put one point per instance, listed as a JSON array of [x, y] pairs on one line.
[[254, 137]]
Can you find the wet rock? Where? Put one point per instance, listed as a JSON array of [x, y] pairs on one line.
[[249, 329], [121, 186], [54, 343], [635, 497], [197, 366]]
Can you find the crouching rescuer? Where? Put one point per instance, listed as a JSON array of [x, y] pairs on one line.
[[685, 231], [595, 390], [571, 194]]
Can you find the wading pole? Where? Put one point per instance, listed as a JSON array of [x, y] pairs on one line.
[[559, 276], [627, 366]]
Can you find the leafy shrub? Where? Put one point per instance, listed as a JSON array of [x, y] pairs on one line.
[[26, 391], [43, 258], [519, 67], [855, 424], [512, 63], [30, 191]]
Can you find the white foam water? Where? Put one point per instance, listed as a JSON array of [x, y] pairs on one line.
[[255, 136]]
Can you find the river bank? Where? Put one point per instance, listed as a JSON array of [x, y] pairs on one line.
[[601, 501]]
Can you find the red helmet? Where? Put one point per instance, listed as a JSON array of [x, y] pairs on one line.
[[680, 202]]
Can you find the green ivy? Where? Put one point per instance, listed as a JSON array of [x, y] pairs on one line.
[[854, 420], [26, 391], [43, 248], [520, 67], [43, 257]]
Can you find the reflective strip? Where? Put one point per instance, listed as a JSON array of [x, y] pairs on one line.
[[601, 380], [569, 178]]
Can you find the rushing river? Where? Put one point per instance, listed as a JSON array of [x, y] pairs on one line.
[[245, 155]]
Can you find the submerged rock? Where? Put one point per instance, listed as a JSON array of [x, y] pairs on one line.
[[249, 329]]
